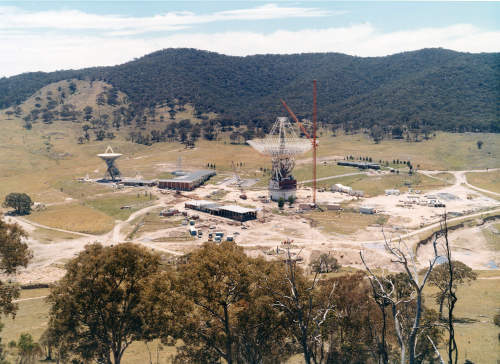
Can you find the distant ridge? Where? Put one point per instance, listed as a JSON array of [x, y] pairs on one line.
[[433, 88]]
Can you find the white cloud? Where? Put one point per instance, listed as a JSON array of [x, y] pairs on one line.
[[47, 53], [12, 18]]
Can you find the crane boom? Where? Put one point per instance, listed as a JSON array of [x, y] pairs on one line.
[[312, 138], [297, 121]]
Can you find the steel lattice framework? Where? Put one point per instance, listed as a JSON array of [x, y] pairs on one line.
[[282, 144]]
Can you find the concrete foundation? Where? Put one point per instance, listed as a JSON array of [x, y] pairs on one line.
[[275, 193]]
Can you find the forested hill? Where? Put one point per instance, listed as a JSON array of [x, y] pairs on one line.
[[430, 88]]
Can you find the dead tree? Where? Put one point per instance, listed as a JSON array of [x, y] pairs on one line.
[[307, 313], [451, 297], [384, 290]]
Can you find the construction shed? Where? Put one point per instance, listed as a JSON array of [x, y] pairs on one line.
[[333, 207], [137, 182], [187, 182], [238, 213], [233, 212], [392, 192], [367, 210]]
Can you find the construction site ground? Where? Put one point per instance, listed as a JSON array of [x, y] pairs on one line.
[[342, 234]]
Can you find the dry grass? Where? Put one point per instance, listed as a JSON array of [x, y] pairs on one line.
[[74, 217], [32, 317], [48, 236], [477, 341], [487, 180], [448, 177], [46, 156], [152, 221], [80, 190], [304, 172], [111, 205], [376, 185], [446, 151], [346, 223]]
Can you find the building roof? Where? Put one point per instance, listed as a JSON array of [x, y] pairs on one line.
[[191, 176], [200, 203], [237, 209]]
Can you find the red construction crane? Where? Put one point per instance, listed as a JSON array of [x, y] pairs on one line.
[[311, 138]]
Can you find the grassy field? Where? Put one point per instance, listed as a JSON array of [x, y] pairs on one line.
[[477, 340], [32, 317], [47, 158], [376, 185], [79, 190], [111, 205], [446, 151], [487, 180], [448, 177], [48, 236], [152, 221], [343, 223], [74, 217]]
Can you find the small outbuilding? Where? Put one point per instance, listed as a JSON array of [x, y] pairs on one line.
[[370, 210], [394, 192]]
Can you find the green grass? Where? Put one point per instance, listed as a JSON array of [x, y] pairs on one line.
[[111, 205], [487, 180]]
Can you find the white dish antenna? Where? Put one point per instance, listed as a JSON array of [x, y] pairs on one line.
[[109, 156], [282, 141]]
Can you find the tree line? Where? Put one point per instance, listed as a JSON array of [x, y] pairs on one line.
[[430, 89], [217, 303]]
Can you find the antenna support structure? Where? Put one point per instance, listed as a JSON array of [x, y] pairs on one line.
[[282, 144], [110, 157]]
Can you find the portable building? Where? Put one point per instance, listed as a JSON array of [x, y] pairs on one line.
[[367, 210]]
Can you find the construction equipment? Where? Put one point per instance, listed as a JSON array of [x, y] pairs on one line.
[[282, 144], [312, 138]]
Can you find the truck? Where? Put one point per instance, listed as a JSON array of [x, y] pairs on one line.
[[192, 231]]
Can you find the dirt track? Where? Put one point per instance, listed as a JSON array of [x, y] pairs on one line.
[[47, 264]]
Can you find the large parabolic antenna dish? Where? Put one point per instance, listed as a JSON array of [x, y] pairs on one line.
[[110, 157], [282, 144], [282, 141]]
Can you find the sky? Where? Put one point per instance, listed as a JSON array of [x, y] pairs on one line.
[[54, 35]]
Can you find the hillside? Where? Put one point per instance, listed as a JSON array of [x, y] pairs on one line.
[[430, 89]]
